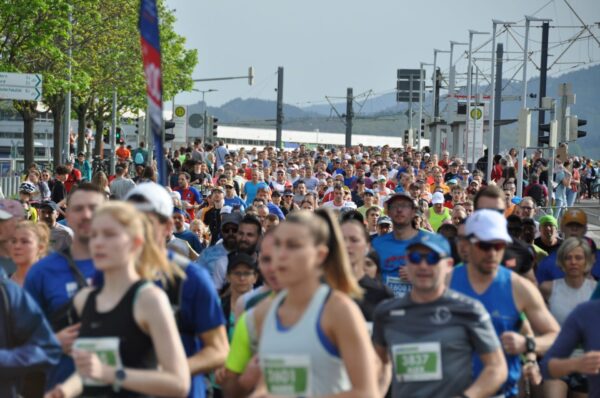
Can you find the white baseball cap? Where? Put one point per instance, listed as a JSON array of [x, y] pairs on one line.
[[437, 198], [487, 225], [151, 197]]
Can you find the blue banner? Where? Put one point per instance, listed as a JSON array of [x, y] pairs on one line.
[[150, 39]]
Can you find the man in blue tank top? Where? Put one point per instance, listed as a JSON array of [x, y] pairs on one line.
[[391, 247], [504, 294]]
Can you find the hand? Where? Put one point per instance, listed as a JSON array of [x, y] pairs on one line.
[[67, 337], [56, 392], [403, 273], [251, 376], [513, 343], [531, 371], [89, 365], [220, 375], [589, 363]]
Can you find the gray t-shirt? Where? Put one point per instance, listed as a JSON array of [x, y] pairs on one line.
[[431, 345]]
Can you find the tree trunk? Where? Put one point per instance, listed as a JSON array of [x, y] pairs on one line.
[[98, 143], [81, 111], [28, 112]]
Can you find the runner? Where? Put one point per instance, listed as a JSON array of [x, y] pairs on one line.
[[313, 330], [431, 334], [391, 247], [504, 294], [199, 317], [127, 312]]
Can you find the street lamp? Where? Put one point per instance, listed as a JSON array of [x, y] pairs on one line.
[[492, 124], [469, 88]]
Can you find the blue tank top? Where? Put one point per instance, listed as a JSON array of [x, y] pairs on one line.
[[499, 302]]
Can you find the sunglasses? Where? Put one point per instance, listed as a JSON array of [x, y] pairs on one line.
[[229, 230], [431, 258], [487, 246]]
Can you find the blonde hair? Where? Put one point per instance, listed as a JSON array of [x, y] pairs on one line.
[[324, 228], [151, 263], [571, 244], [41, 232]]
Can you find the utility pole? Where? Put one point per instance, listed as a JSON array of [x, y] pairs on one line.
[[278, 137], [470, 162], [498, 95], [67, 117], [457, 138], [543, 74], [349, 116], [421, 97], [492, 146], [113, 134], [435, 136]]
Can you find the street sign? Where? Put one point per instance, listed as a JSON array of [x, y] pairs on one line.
[[20, 86], [407, 73], [180, 119]]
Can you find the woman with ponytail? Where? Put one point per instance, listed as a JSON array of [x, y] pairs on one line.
[[313, 337], [130, 311]]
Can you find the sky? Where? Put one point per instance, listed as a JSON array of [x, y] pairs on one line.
[[326, 46]]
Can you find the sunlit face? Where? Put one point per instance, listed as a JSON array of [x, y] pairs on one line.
[[462, 243], [182, 181], [356, 244], [372, 217], [548, 232], [401, 212], [24, 248], [527, 208], [574, 263], [485, 261], [82, 205], [110, 244], [265, 262], [247, 237], [424, 277], [179, 222], [573, 229], [297, 257]]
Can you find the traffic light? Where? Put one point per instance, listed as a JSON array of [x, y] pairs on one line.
[[137, 125], [215, 125], [422, 131], [119, 135], [573, 124], [169, 124], [405, 138], [552, 137], [105, 135]]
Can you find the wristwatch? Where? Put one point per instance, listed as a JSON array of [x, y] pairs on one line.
[[120, 377], [529, 344]]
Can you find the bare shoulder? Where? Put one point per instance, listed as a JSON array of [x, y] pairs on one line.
[[150, 297], [260, 312], [340, 310], [525, 292], [80, 298]]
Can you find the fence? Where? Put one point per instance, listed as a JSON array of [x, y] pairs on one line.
[[9, 186]]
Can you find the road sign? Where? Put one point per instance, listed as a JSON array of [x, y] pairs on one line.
[[20, 86], [180, 119], [407, 73]]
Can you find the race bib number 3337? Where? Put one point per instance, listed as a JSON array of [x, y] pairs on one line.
[[417, 362], [287, 375]]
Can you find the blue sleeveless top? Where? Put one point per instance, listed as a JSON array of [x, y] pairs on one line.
[[499, 302]]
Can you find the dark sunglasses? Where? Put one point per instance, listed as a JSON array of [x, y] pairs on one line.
[[431, 258], [229, 230], [487, 246]]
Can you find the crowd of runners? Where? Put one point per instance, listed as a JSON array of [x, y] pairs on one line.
[[313, 272]]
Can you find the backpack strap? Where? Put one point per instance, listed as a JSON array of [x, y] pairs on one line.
[[79, 278]]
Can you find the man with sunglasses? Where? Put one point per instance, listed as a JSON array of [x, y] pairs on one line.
[[431, 334], [504, 294], [391, 247]]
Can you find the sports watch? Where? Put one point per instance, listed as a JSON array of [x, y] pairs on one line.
[[120, 377], [529, 345]]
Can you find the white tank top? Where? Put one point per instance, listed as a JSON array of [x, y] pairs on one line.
[[295, 361], [564, 298]]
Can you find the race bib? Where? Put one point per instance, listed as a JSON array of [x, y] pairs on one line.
[[107, 349], [399, 287], [417, 362], [287, 375]]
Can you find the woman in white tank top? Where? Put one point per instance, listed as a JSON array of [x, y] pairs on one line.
[[313, 338], [575, 259]]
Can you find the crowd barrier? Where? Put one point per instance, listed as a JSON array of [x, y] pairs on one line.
[[9, 186]]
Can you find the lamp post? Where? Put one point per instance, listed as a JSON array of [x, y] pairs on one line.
[[469, 88], [434, 135], [457, 143]]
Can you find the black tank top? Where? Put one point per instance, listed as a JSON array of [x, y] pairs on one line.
[[135, 346]]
